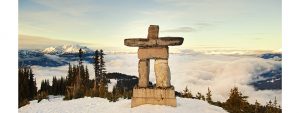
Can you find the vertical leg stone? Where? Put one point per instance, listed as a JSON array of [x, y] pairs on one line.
[[143, 72], [162, 73]]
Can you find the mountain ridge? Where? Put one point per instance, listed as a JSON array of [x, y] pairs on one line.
[[65, 49]]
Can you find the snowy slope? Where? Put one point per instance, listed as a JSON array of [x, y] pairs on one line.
[[99, 105]]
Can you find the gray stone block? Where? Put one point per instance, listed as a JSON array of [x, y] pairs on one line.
[[139, 42], [153, 53], [163, 41], [169, 41], [162, 73], [153, 32], [155, 96]]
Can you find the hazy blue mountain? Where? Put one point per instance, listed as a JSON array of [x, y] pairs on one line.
[[54, 56], [273, 80], [274, 56]]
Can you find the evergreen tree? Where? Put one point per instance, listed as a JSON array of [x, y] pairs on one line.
[[32, 85], [23, 88], [275, 103], [102, 69], [86, 77], [208, 96], [276, 107], [44, 90], [97, 66], [186, 93], [203, 97], [54, 86], [80, 54], [63, 83], [269, 107], [95, 90], [114, 95], [78, 91], [27, 86], [70, 75], [236, 103], [199, 96], [79, 76], [100, 84], [58, 86], [45, 86], [257, 107], [272, 107], [103, 90]]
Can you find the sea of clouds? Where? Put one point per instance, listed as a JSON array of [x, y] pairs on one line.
[[195, 70]]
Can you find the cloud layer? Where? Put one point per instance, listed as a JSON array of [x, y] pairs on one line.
[[197, 71], [36, 42], [180, 29]]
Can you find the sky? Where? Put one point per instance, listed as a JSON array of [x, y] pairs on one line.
[[204, 24]]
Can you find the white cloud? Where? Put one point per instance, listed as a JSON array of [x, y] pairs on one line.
[[36, 42], [221, 73], [73, 8], [180, 29], [197, 71]]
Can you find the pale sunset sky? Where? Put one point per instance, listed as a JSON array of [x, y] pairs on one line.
[[205, 24]]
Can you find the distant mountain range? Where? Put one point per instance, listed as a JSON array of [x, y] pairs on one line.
[[62, 55], [54, 56]]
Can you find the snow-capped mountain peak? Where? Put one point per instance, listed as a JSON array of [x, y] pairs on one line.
[[49, 50], [68, 48]]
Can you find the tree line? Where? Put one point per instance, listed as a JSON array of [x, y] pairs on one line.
[[236, 102], [26, 86], [77, 83]]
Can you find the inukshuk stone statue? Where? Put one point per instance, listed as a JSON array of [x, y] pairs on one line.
[[153, 47]]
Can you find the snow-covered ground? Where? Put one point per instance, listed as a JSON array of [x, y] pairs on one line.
[[100, 105]]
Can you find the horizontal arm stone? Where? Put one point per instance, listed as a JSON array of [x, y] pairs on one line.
[[163, 41], [139, 42], [169, 41]]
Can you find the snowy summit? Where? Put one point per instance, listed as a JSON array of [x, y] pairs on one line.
[[68, 48]]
